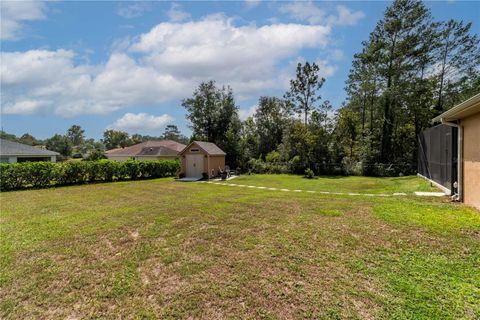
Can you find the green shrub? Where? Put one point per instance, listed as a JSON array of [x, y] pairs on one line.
[[309, 173], [13, 176], [95, 155], [40, 174], [273, 157], [72, 172], [132, 168], [45, 174]]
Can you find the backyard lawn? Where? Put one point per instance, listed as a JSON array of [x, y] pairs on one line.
[[166, 249]]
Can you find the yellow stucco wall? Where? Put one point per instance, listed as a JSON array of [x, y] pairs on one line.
[[471, 160], [118, 158], [214, 163]]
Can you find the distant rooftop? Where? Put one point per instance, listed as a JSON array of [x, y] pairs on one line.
[[10, 148], [150, 148]]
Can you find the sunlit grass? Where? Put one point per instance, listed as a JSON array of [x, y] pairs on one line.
[[164, 249]]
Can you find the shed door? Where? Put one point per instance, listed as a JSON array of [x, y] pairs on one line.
[[194, 165]]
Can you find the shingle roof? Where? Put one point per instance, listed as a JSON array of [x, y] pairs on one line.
[[209, 147], [157, 151], [10, 148], [158, 148]]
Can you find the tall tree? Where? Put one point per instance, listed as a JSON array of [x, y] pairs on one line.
[[213, 115], [171, 132], [136, 138], [116, 139], [347, 129], [271, 119], [29, 139], [458, 59], [303, 94], [76, 135], [60, 144], [399, 36]]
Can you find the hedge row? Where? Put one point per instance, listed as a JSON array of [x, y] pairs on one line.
[[46, 174]]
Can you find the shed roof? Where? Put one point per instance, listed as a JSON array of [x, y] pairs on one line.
[[151, 147], [460, 111], [209, 147], [10, 148]]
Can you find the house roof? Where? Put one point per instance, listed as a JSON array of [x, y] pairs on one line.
[[210, 148], [10, 148], [460, 111], [157, 151], [150, 148]]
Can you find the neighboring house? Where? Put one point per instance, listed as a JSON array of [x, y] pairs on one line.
[[449, 154], [148, 150], [202, 157], [12, 152]]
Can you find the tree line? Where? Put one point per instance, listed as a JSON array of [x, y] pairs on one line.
[[409, 70], [74, 144]]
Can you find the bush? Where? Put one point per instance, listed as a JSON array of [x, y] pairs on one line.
[[273, 157], [95, 155], [40, 174], [44, 174], [309, 173]]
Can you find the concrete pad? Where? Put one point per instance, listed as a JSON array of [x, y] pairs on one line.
[[429, 194], [189, 179]]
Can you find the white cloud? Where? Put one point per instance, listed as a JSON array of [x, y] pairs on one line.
[[252, 3], [347, 17], [175, 14], [309, 11], [15, 13], [245, 113], [245, 57], [304, 10], [133, 10], [140, 122], [164, 64], [336, 54]]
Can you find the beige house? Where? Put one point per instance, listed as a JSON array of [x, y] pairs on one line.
[[202, 157], [466, 117], [148, 150]]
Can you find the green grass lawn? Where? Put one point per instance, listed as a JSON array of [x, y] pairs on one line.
[[165, 249]]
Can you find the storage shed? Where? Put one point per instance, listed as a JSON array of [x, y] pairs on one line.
[[200, 158]]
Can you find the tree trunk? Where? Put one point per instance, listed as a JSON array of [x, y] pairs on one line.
[[385, 154], [439, 106]]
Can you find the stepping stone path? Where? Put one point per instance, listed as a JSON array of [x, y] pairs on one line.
[[431, 194]]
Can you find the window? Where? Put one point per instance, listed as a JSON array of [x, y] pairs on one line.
[[194, 150]]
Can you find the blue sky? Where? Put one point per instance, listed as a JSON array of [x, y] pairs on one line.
[[128, 65]]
